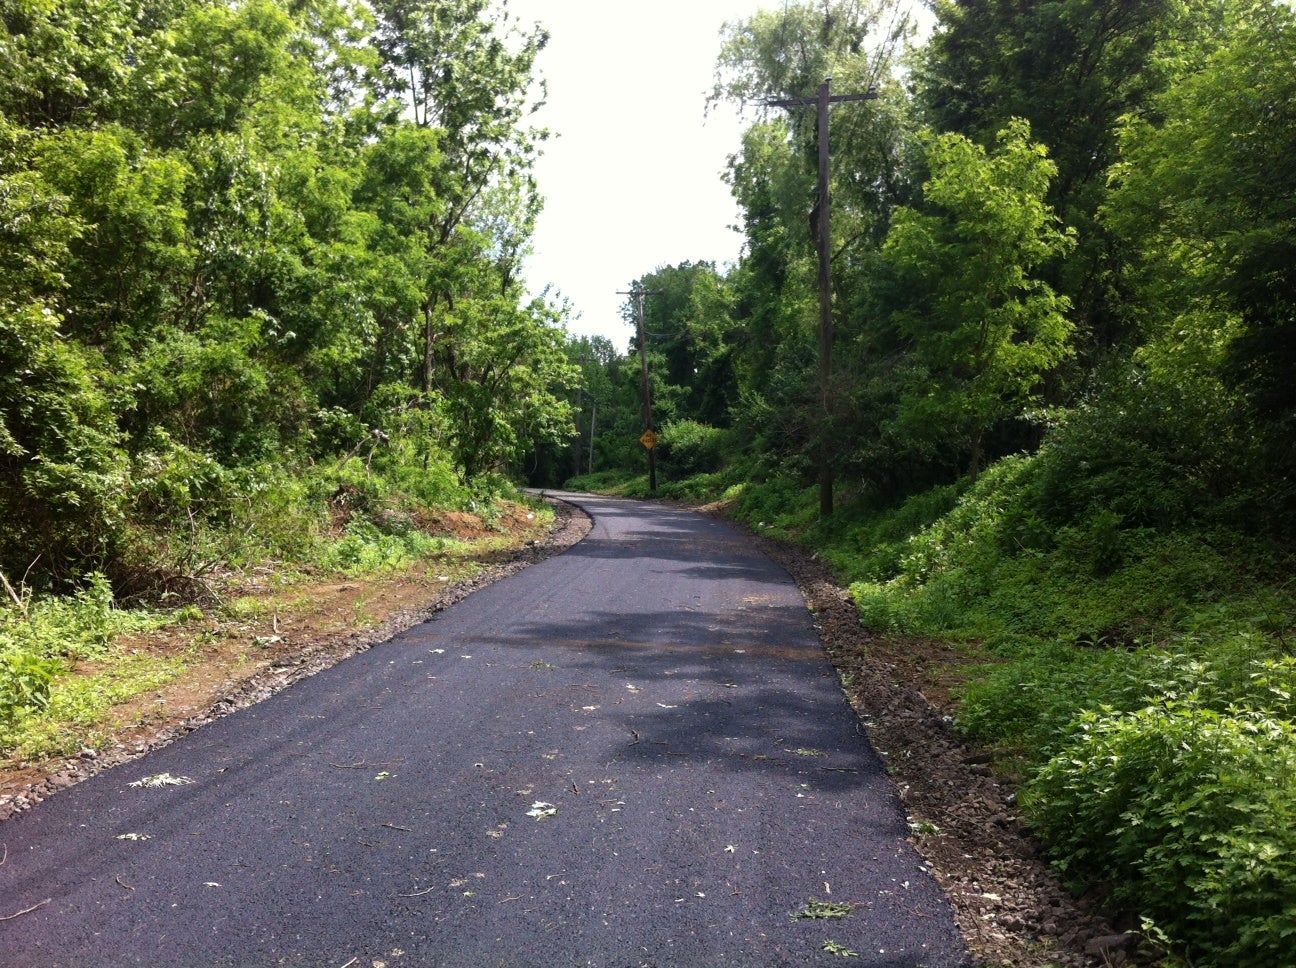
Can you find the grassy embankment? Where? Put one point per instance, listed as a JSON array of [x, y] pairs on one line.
[[278, 570]]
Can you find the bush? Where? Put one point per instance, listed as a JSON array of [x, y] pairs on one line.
[[37, 637], [25, 680], [367, 547], [1189, 816], [688, 448], [62, 474], [600, 482], [872, 546]]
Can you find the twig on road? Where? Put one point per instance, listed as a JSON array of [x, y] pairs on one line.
[[18, 914]]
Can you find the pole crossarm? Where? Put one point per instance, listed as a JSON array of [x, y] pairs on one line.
[[801, 102]]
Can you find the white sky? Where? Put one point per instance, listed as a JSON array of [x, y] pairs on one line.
[[633, 179]]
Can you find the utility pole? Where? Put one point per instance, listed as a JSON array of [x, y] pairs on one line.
[[649, 438], [593, 419], [823, 244]]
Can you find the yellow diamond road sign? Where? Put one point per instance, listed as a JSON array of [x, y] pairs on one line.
[[649, 439]]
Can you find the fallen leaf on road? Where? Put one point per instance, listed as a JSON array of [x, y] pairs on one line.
[[822, 910], [161, 780], [540, 810]]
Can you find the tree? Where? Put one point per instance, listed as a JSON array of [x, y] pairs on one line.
[[787, 54], [269, 259], [1206, 192], [688, 325], [981, 323], [1072, 69]]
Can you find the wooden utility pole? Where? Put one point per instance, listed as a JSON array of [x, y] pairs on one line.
[[823, 245], [649, 438]]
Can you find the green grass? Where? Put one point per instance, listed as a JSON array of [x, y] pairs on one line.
[[81, 707]]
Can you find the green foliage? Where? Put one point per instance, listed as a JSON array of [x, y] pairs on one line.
[[781, 504], [79, 705], [24, 683], [1188, 812], [689, 448], [1072, 69], [868, 544], [62, 475], [601, 482], [75, 627], [40, 637], [1203, 193], [386, 545], [222, 245], [982, 324]]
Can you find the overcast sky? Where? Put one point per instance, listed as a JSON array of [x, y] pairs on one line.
[[633, 179]]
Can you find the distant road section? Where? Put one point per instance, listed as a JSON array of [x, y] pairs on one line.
[[632, 754]]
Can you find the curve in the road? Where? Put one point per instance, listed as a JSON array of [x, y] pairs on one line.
[[634, 753]]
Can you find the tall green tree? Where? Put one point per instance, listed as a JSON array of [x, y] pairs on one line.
[[1072, 69], [983, 327], [787, 54], [236, 233], [1205, 192]]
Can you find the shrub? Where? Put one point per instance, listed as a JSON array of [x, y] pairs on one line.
[[38, 636], [689, 448], [25, 680], [62, 474], [1189, 815]]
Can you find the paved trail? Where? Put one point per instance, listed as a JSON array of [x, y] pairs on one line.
[[659, 687]]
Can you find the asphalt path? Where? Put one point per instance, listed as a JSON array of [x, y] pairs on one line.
[[634, 753]]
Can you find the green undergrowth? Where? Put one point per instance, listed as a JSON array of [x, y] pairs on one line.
[[699, 489], [62, 667], [1141, 669], [80, 708]]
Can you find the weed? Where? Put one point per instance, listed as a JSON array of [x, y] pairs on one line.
[[817, 910], [80, 707]]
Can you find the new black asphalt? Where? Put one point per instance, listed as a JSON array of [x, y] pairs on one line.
[[634, 753]]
